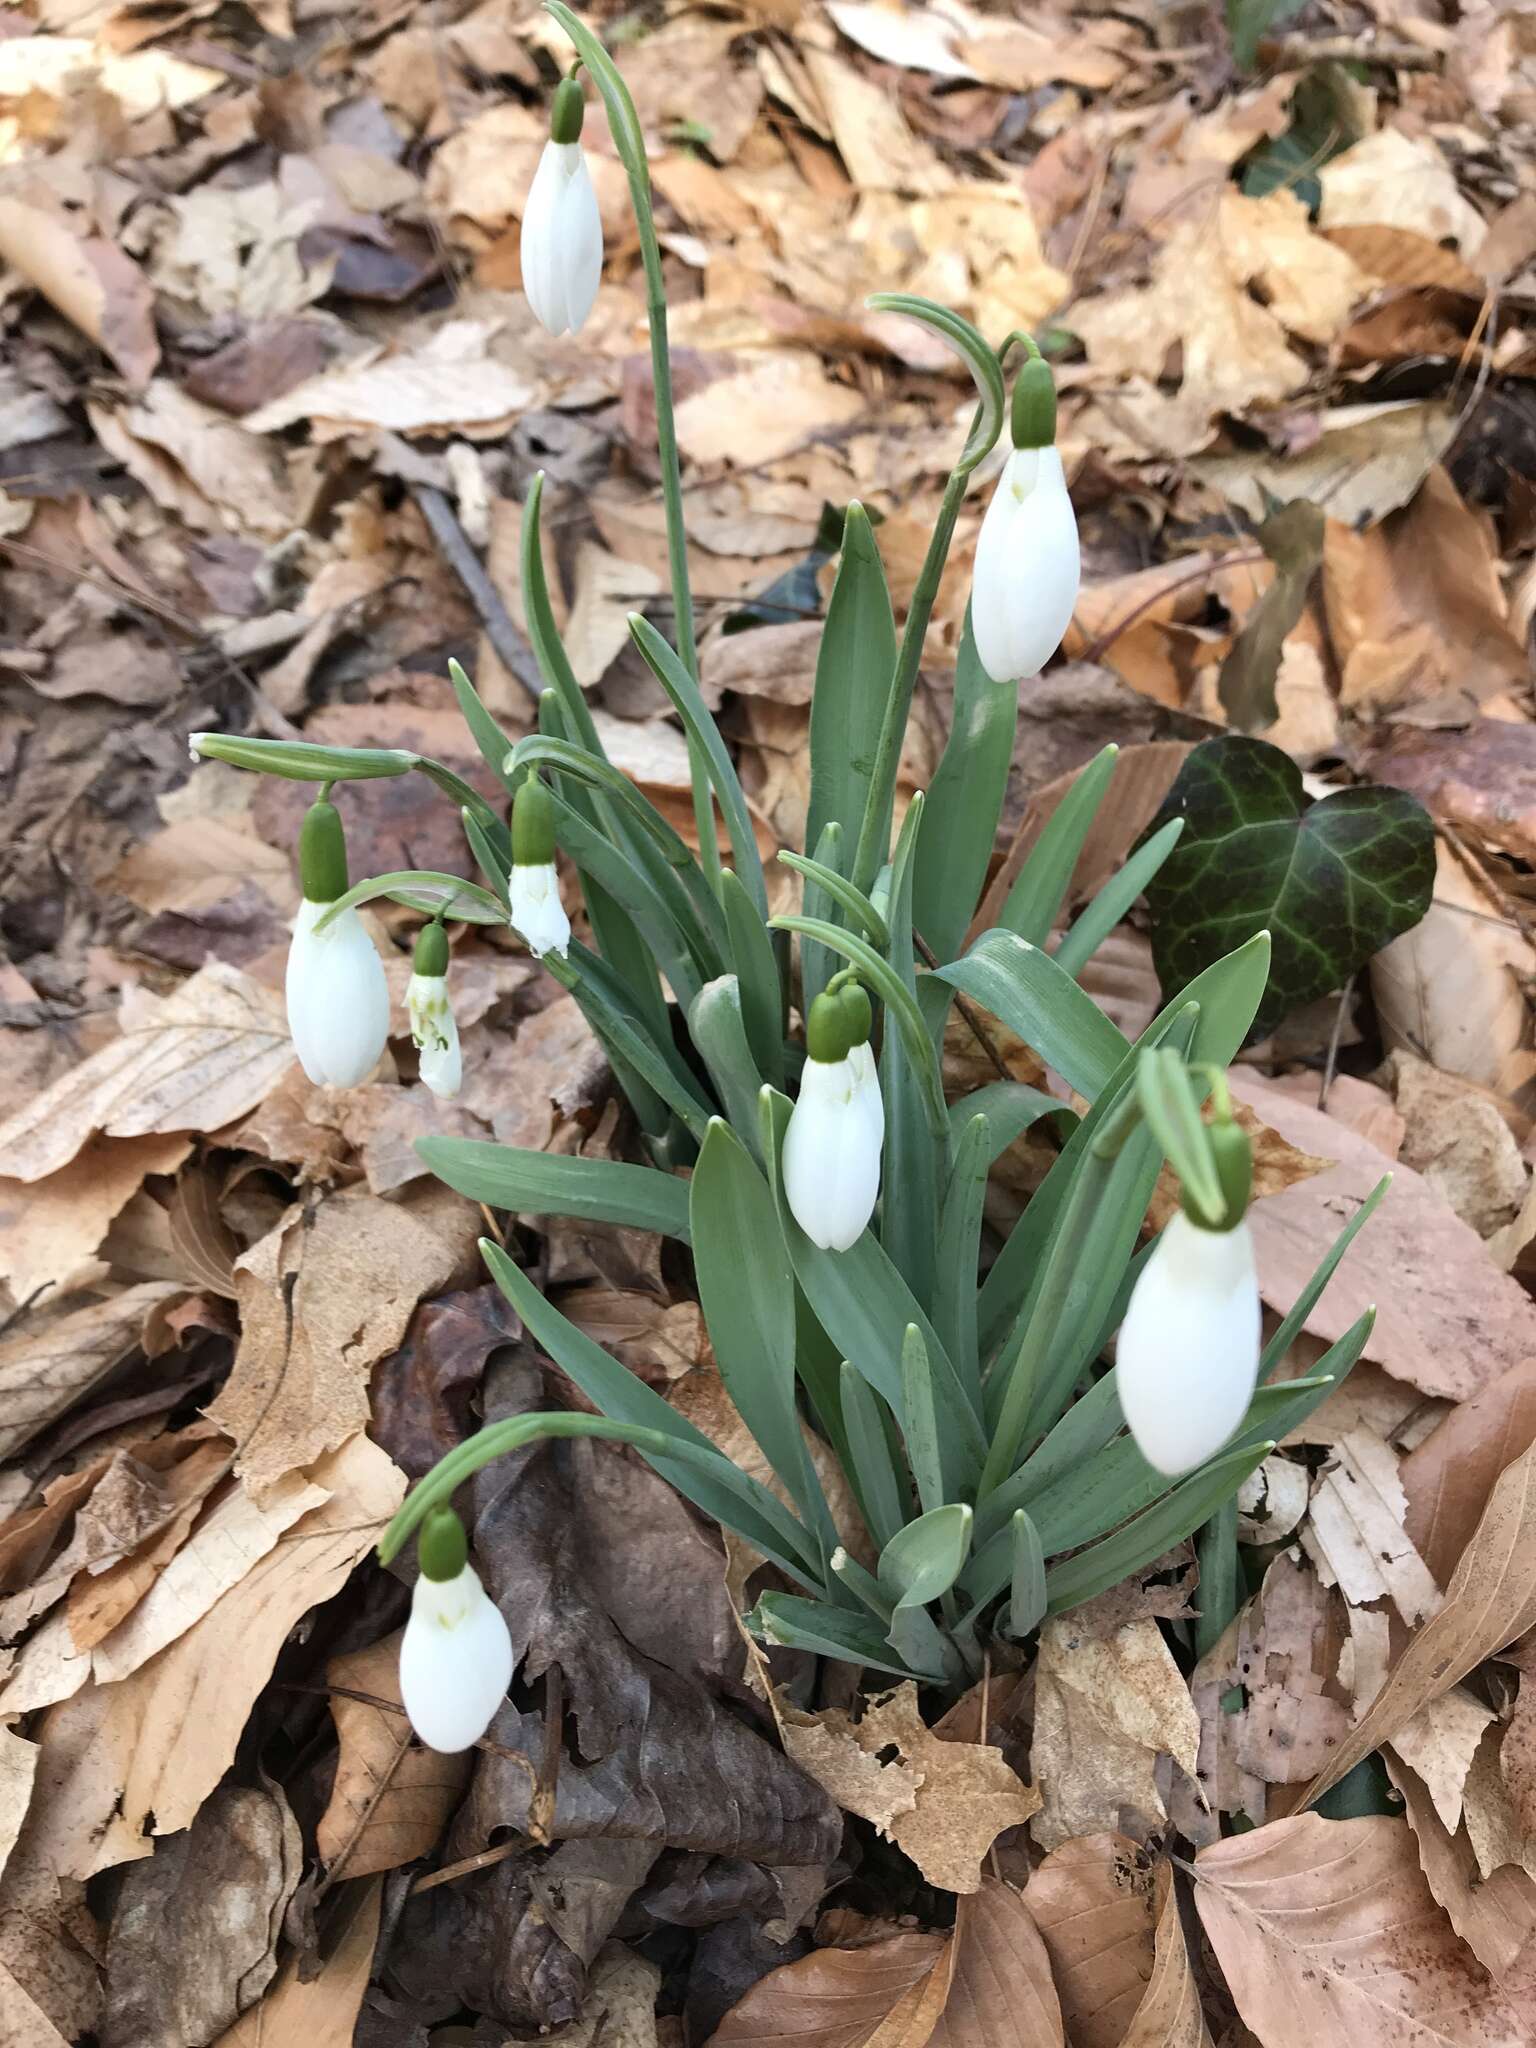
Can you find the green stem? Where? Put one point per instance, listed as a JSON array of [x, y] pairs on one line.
[[875, 831], [1219, 1596]]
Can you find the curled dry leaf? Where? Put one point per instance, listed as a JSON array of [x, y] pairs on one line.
[[46, 1366], [1439, 1744], [89, 279], [1355, 1534], [1327, 1932], [846, 1998], [1448, 1477], [1001, 1994], [943, 1803], [1491, 1599], [48, 1229], [1169, 2015], [322, 2010], [1495, 1916], [389, 1803], [1092, 1901]]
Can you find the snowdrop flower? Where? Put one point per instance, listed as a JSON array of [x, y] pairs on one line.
[[1028, 564], [338, 1001], [562, 231], [431, 1013], [537, 911], [456, 1655], [1187, 1360], [831, 1162]]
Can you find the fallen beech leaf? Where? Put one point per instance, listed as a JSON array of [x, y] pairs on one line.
[[18, 1767], [607, 591], [943, 1803], [194, 1060], [1448, 1321], [1517, 1756], [1355, 1533], [1000, 1993], [1458, 1138], [755, 415], [1110, 1703], [1495, 1916], [322, 2010], [1326, 1931], [389, 1803], [1169, 2015], [451, 382], [88, 278], [48, 1229], [843, 1998], [1367, 461], [1491, 1599], [100, 1599], [197, 862], [871, 132], [1092, 1901], [154, 1745], [46, 1366], [323, 1298], [1396, 180], [22, 2021], [1439, 1742], [1489, 1815], [197, 463], [1286, 1647]]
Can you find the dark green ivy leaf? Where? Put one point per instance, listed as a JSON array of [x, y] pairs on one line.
[[1332, 881]]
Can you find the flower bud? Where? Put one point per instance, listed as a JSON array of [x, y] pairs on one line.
[[562, 246], [338, 1000], [456, 1656], [430, 1010], [831, 1159], [536, 909], [1028, 562]]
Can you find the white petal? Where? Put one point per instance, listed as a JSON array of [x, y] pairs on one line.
[[338, 999], [436, 1032], [562, 239], [831, 1160], [1028, 567], [455, 1661], [867, 1077], [1187, 1359], [579, 226], [537, 911]]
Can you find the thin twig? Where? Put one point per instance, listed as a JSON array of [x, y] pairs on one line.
[[512, 650], [1099, 646], [468, 1865], [931, 959], [1296, 52], [1334, 1036]]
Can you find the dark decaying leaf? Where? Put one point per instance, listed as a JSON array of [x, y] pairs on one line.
[[1332, 881], [1293, 540], [422, 1394]]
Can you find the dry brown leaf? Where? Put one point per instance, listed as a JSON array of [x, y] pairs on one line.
[[1367, 461], [943, 1803], [1491, 1599], [1326, 1931], [18, 1767], [1110, 1703], [389, 1803], [90, 280], [871, 133], [1169, 2015], [1355, 1533], [1395, 180], [99, 1600], [196, 862], [776, 405], [450, 383], [1285, 1651], [1447, 1320], [1092, 1901], [871, 1997], [1001, 1994], [23, 2023], [194, 1060], [607, 591], [1439, 1743], [50, 1228], [197, 463], [1489, 1815], [46, 1365], [1458, 1138], [323, 1298], [1449, 1477], [320, 2011], [1495, 1916], [156, 1744], [1517, 1756]]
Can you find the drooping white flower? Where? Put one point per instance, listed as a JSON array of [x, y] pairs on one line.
[[338, 999], [562, 243], [1028, 567], [1187, 1359], [831, 1157], [430, 1010], [455, 1660], [537, 911]]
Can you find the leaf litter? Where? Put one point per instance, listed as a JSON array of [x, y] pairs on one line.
[[262, 295]]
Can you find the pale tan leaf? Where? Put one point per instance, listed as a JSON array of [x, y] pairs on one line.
[[1001, 1994], [320, 2013], [873, 139], [1495, 1916], [942, 1802], [1490, 1600], [782, 401], [157, 1743], [450, 383], [1092, 1901], [23, 2023], [1355, 1532], [197, 463], [18, 1767], [389, 1803], [1439, 1742], [1449, 1476], [1326, 1931], [1169, 2015], [841, 1998], [88, 278], [1489, 1815], [607, 591], [1517, 1754], [1289, 1725], [46, 1366], [196, 862], [190, 1061], [1396, 180], [48, 1229]]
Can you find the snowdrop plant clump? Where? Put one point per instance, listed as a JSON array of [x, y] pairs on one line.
[[794, 1127]]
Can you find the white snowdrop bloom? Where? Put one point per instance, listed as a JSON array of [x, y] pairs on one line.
[[562, 242], [436, 1033], [1187, 1360], [831, 1158], [338, 1000], [1028, 567], [455, 1660], [537, 912]]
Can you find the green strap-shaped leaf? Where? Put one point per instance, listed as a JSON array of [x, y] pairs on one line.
[[1039, 1001], [303, 760], [609, 1009], [423, 889], [827, 1632], [871, 1468], [1042, 882], [545, 1184], [488, 736], [1114, 900], [1010, 1108], [965, 801], [543, 633], [920, 1422], [1172, 1111], [633, 927], [855, 670], [956, 1274], [915, 1151], [719, 1034], [818, 964], [1295, 1317], [757, 971], [1027, 1596], [854, 904]]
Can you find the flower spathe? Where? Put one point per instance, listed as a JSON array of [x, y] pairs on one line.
[[1187, 1360], [1028, 567], [338, 999], [455, 1661], [436, 1033], [537, 912], [562, 239]]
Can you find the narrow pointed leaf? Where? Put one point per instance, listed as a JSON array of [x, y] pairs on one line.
[[855, 671], [546, 1184], [1042, 882], [965, 801]]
